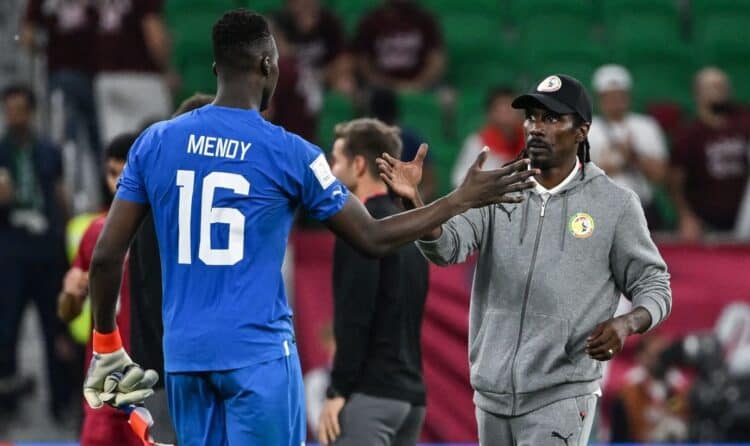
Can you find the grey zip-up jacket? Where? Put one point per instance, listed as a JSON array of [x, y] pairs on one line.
[[546, 275]]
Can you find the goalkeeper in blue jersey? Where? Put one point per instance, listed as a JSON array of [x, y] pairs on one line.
[[223, 185]]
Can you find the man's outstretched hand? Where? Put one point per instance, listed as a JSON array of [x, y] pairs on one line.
[[403, 177], [479, 188]]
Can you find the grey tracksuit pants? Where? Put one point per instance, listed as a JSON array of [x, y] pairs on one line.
[[372, 421], [563, 423]]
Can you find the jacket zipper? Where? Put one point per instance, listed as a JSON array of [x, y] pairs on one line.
[[525, 300]]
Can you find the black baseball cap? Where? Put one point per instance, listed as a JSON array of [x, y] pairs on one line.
[[560, 93]]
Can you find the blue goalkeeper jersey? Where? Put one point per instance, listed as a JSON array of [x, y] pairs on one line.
[[223, 185]]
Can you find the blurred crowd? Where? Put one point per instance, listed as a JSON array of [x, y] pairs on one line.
[[109, 70], [695, 388]]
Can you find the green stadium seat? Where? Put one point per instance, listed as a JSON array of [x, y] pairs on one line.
[[472, 42], [555, 31], [634, 29], [705, 8], [577, 60], [191, 31], [528, 10], [717, 31], [182, 8], [464, 31], [422, 112], [351, 11], [471, 112], [490, 8], [262, 6], [336, 109], [611, 9], [724, 41], [660, 73]]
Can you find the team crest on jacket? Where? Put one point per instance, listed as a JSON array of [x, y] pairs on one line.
[[581, 225]]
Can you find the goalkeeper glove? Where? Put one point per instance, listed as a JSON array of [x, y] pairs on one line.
[[113, 377]]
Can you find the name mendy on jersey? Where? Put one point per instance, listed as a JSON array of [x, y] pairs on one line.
[[217, 146]]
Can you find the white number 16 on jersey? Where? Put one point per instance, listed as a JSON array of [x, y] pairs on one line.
[[235, 249]]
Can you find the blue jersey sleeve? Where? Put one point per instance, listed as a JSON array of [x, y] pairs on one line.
[[131, 185], [320, 193]]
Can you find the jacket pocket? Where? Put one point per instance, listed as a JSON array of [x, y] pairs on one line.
[[543, 360], [491, 352]]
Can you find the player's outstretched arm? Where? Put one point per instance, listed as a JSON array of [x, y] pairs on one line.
[[122, 222], [480, 188], [113, 378]]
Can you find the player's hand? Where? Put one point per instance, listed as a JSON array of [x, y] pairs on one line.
[[76, 282], [330, 429], [113, 377], [484, 187], [403, 177], [608, 338]]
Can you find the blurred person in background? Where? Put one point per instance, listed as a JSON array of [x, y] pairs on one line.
[[399, 45], [384, 106], [652, 406], [133, 64], [294, 106], [32, 258], [709, 168], [70, 26], [377, 392], [319, 42], [719, 400], [628, 146], [502, 133], [105, 426]]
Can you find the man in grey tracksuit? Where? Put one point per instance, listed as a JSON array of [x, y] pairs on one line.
[[549, 274]]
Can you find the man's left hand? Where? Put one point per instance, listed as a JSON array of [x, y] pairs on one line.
[[608, 338], [330, 429]]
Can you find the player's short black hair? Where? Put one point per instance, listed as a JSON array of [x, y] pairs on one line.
[[237, 36], [497, 92], [370, 138], [22, 89], [119, 147]]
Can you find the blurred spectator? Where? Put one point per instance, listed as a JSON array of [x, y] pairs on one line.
[[132, 56], [293, 106], [710, 159], [105, 426], [70, 28], [628, 146], [652, 406], [399, 45], [502, 133], [318, 379], [32, 257], [719, 401], [384, 106], [317, 37]]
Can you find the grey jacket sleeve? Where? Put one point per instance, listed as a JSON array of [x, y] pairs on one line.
[[461, 236], [639, 270]]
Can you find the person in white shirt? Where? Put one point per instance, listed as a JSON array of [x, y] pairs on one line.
[[629, 147]]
